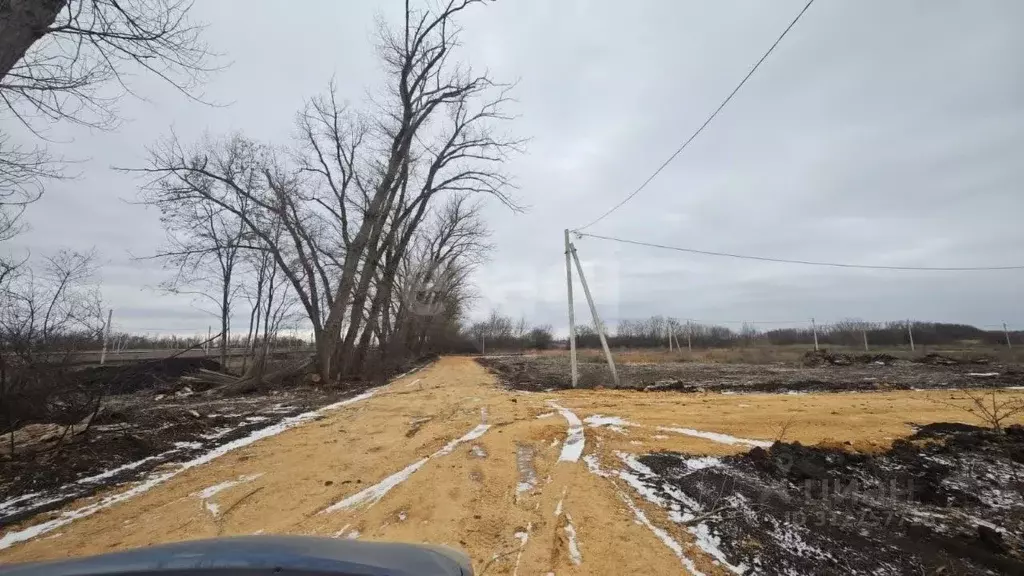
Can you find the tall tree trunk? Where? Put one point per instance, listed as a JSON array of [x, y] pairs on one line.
[[22, 22], [375, 216]]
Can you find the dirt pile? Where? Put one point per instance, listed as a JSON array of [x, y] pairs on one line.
[[949, 499], [160, 375], [826, 358], [526, 373], [934, 359]]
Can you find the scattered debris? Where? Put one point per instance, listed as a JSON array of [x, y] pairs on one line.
[[823, 357]]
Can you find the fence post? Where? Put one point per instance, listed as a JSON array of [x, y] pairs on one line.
[[572, 319], [814, 329], [597, 319], [910, 333], [106, 337], [1007, 334]]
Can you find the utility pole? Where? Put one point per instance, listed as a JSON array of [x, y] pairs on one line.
[[814, 329], [910, 333], [106, 337], [864, 333], [668, 334], [572, 318], [689, 332], [597, 319], [1007, 334], [483, 345], [209, 333]]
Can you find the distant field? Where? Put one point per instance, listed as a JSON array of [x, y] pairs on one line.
[[790, 354], [128, 356]]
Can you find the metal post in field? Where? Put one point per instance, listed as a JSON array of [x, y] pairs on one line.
[[209, 336], [910, 333], [483, 345], [864, 333], [106, 336], [1007, 334], [814, 329], [572, 319], [597, 318], [668, 334], [689, 333]]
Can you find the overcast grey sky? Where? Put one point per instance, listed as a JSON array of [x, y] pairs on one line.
[[878, 132]]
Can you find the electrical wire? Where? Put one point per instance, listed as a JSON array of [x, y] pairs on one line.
[[806, 262], [706, 122]]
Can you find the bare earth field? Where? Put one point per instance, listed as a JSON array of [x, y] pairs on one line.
[[594, 481], [812, 373]]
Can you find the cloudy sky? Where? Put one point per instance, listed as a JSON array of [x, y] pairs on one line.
[[877, 133]]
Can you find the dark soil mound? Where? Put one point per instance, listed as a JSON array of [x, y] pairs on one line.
[[144, 375], [934, 359], [947, 500], [826, 358], [521, 374]]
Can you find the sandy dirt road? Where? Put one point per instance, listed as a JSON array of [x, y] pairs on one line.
[[524, 483]]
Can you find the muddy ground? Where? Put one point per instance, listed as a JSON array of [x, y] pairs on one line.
[[817, 373], [947, 500], [586, 481], [149, 418]]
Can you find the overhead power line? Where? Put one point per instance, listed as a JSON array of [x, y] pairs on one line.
[[706, 122], [807, 262]]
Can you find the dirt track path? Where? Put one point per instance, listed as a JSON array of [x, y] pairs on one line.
[[446, 456]]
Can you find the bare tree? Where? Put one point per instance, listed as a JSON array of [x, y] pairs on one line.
[[351, 206], [58, 56], [45, 314], [68, 60], [22, 173], [432, 284], [45, 308], [204, 245], [987, 407]]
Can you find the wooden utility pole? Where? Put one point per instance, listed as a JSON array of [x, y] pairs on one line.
[[814, 329], [597, 319], [106, 336], [206, 349], [572, 318], [668, 334], [864, 333], [689, 333], [910, 333], [1007, 334]]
